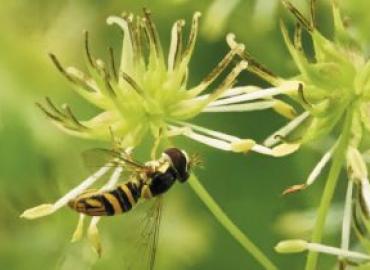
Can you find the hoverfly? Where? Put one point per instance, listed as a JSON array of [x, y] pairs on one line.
[[147, 181]]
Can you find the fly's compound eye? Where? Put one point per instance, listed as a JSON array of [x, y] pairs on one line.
[[180, 163]]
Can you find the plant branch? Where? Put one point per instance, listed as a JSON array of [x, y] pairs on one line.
[[225, 221], [331, 183]]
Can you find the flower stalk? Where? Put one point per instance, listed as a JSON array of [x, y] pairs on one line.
[[230, 226], [331, 183]]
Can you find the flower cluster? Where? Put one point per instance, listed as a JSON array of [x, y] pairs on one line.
[[148, 94], [333, 91]]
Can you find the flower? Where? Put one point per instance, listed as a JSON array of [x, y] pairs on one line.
[[147, 95], [325, 101], [332, 90]]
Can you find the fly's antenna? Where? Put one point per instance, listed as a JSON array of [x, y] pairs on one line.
[[196, 161]]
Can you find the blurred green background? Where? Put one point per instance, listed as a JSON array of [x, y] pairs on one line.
[[40, 163]]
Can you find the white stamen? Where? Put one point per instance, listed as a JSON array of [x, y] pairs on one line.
[[357, 163], [117, 20], [112, 180], [366, 156], [110, 185], [236, 91], [265, 93], [48, 209], [285, 130], [319, 166], [74, 72], [81, 187], [220, 140], [298, 245], [262, 150], [285, 149], [176, 28], [77, 234], [207, 140], [337, 251], [365, 193], [239, 90], [210, 132], [211, 77], [93, 232], [347, 213], [127, 53], [93, 235], [262, 105]]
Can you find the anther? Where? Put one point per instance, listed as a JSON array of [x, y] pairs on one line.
[[132, 82], [302, 96], [87, 49]]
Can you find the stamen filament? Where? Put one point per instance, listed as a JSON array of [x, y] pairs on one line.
[[347, 214], [221, 140], [77, 234], [337, 251], [134, 85], [126, 62], [191, 40], [212, 76], [216, 143], [319, 166], [265, 93], [227, 82], [174, 54], [93, 232], [210, 132], [152, 33], [365, 193], [81, 187], [235, 91], [262, 105], [285, 130]]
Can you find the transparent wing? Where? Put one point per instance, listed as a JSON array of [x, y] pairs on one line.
[[154, 221], [144, 248], [98, 157]]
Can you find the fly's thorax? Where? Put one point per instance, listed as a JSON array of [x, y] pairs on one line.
[[160, 165], [161, 182]]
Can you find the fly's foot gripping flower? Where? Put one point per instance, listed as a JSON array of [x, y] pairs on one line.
[[148, 93]]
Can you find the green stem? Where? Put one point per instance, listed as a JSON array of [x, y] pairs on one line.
[[221, 217], [331, 183]]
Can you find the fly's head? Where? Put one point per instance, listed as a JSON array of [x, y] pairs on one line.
[[179, 161]]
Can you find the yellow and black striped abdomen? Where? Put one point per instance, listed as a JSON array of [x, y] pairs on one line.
[[109, 203]]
